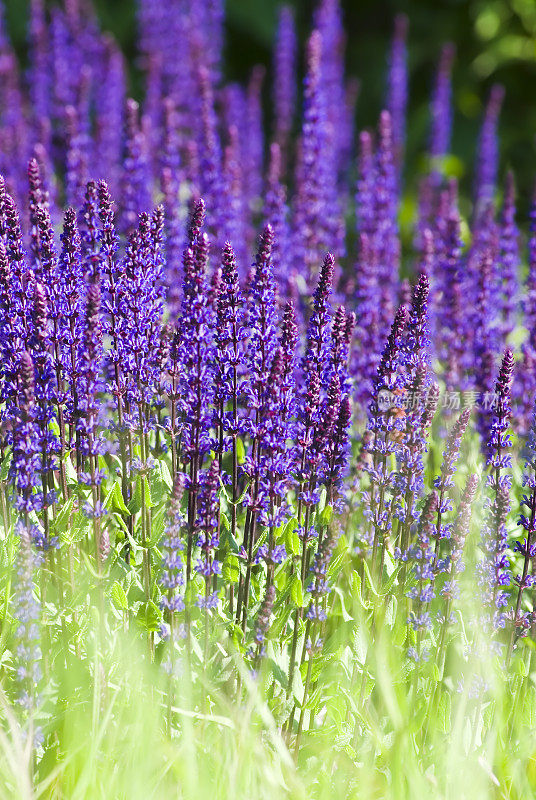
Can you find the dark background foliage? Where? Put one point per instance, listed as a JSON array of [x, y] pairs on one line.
[[495, 42]]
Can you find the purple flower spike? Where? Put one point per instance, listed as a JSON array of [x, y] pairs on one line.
[[507, 279], [25, 464], [524, 388], [311, 214], [276, 213], [460, 529], [275, 464], [135, 194], [385, 242], [318, 338], [288, 342], [425, 570], [229, 337], [341, 335], [76, 160], [488, 152], [319, 586], [263, 620], [254, 142], [89, 359], [339, 451], [284, 78], [441, 112], [526, 547], [499, 439], [45, 386], [110, 111], [485, 345], [448, 320], [197, 346], [27, 614], [397, 91], [409, 482], [210, 168], [38, 203], [366, 354], [172, 575], [262, 323], [208, 524], [365, 195], [328, 20], [385, 425], [493, 571]]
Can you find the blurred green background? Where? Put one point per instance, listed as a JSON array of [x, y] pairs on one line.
[[495, 40]]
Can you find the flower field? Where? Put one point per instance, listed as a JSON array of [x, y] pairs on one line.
[[267, 425]]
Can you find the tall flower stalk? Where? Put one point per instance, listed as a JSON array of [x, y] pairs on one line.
[[262, 321], [493, 570]]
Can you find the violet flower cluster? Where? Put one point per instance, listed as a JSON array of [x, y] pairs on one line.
[[196, 306]]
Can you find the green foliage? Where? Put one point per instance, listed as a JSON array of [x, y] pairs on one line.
[[125, 714]]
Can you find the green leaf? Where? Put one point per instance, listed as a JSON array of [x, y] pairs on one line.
[[335, 564], [444, 711], [280, 581], [281, 620], [150, 616], [70, 472], [388, 585], [227, 496], [166, 475], [62, 520], [119, 597], [368, 580], [89, 562], [340, 595], [119, 502], [322, 500], [399, 634], [519, 667], [280, 676], [391, 610], [389, 562], [241, 498], [147, 487], [291, 525], [134, 545], [360, 645], [296, 592], [240, 451], [236, 633], [158, 491], [4, 469], [356, 591], [292, 540], [416, 721], [79, 528], [135, 504], [231, 569], [325, 516], [117, 518], [114, 500], [529, 707], [193, 589], [228, 541], [157, 527], [54, 427]]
